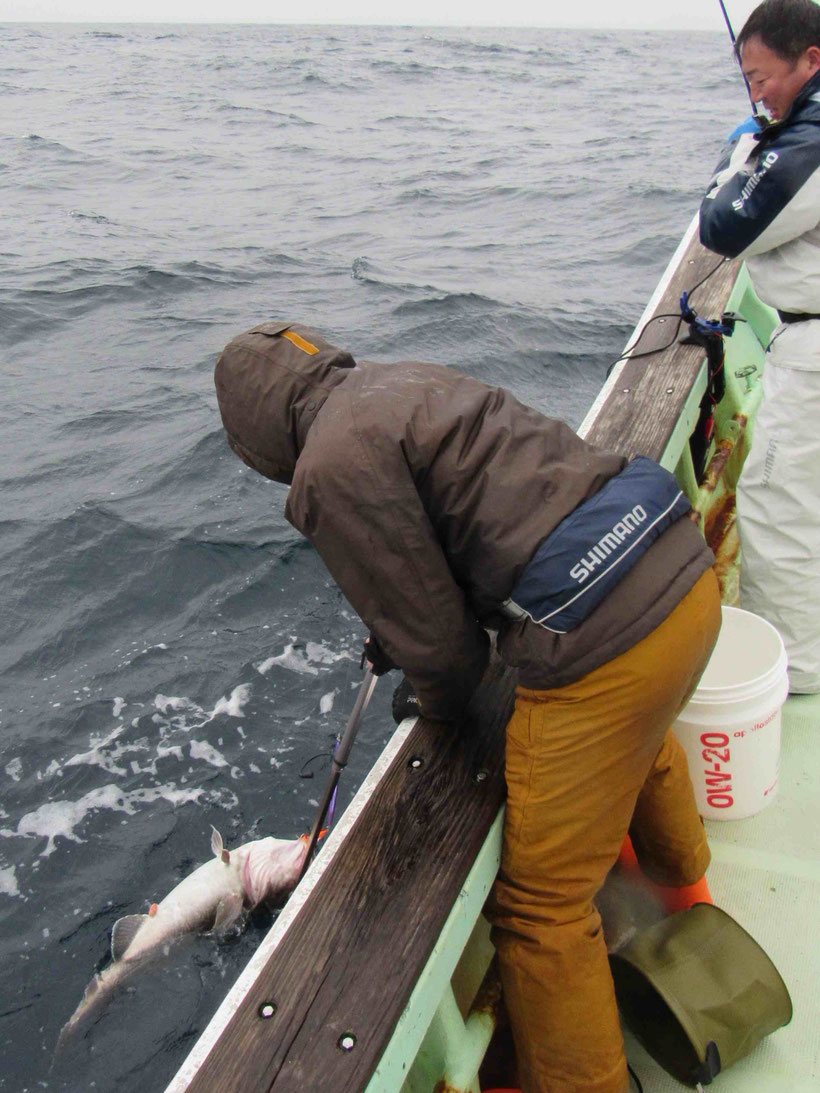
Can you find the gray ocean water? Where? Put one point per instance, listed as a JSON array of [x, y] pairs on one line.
[[502, 201]]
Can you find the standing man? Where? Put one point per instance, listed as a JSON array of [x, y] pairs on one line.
[[444, 508], [763, 205]]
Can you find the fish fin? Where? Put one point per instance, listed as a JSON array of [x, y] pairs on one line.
[[216, 843], [227, 912], [218, 846], [123, 933]]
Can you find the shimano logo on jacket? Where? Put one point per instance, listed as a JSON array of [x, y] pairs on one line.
[[595, 546], [750, 187], [607, 543]]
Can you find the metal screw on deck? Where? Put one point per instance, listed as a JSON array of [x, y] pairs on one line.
[[347, 1041], [267, 1010]]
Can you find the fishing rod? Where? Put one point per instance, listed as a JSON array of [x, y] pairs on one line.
[[761, 119], [341, 754]]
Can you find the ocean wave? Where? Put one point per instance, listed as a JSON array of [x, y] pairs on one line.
[[95, 218], [72, 593], [401, 69], [447, 304], [69, 289], [48, 146], [367, 272], [283, 117]]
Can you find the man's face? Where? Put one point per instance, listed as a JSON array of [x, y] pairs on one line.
[[775, 81]]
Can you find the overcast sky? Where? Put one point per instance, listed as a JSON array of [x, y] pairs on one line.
[[666, 14]]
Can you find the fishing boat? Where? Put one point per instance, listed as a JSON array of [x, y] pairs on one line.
[[378, 976]]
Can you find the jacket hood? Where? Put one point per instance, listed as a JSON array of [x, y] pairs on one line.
[[270, 384]]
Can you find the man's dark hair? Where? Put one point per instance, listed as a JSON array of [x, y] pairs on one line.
[[787, 27]]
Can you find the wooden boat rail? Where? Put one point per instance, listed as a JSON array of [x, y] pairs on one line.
[[370, 980]]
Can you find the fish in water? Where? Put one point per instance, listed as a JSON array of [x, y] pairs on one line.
[[210, 898]]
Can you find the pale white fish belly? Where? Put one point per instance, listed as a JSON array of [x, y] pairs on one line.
[[188, 907]]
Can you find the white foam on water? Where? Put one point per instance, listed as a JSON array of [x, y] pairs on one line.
[[174, 750], [178, 708], [304, 661], [58, 819], [8, 882], [232, 706], [201, 749], [119, 703], [14, 768], [326, 702], [292, 659], [322, 655], [101, 755], [166, 703]]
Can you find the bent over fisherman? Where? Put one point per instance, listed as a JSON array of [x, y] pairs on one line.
[[763, 205], [445, 508]]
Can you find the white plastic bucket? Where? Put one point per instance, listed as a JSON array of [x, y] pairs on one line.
[[730, 729]]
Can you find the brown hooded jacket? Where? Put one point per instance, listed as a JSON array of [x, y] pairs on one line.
[[426, 493]]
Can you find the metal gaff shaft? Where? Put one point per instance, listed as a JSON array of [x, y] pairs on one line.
[[341, 754]]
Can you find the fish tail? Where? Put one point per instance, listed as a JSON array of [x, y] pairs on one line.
[[95, 998], [90, 1001]]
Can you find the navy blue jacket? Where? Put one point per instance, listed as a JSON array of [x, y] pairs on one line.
[[763, 205]]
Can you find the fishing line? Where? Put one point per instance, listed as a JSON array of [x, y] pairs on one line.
[[629, 355]]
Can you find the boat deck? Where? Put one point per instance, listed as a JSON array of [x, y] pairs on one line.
[[765, 872]]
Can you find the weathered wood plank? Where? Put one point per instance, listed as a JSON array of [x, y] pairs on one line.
[[643, 406], [376, 913]]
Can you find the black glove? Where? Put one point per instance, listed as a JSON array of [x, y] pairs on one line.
[[405, 702], [379, 660]]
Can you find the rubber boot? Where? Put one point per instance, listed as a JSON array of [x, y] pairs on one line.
[[672, 899]]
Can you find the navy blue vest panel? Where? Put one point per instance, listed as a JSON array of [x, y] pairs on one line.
[[596, 546]]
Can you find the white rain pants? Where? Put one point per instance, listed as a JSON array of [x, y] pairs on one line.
[[778, 502]]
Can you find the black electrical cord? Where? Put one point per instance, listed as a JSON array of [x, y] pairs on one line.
[[631, 356]]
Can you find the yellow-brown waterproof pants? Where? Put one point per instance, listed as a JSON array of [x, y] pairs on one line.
[[585, 763]]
